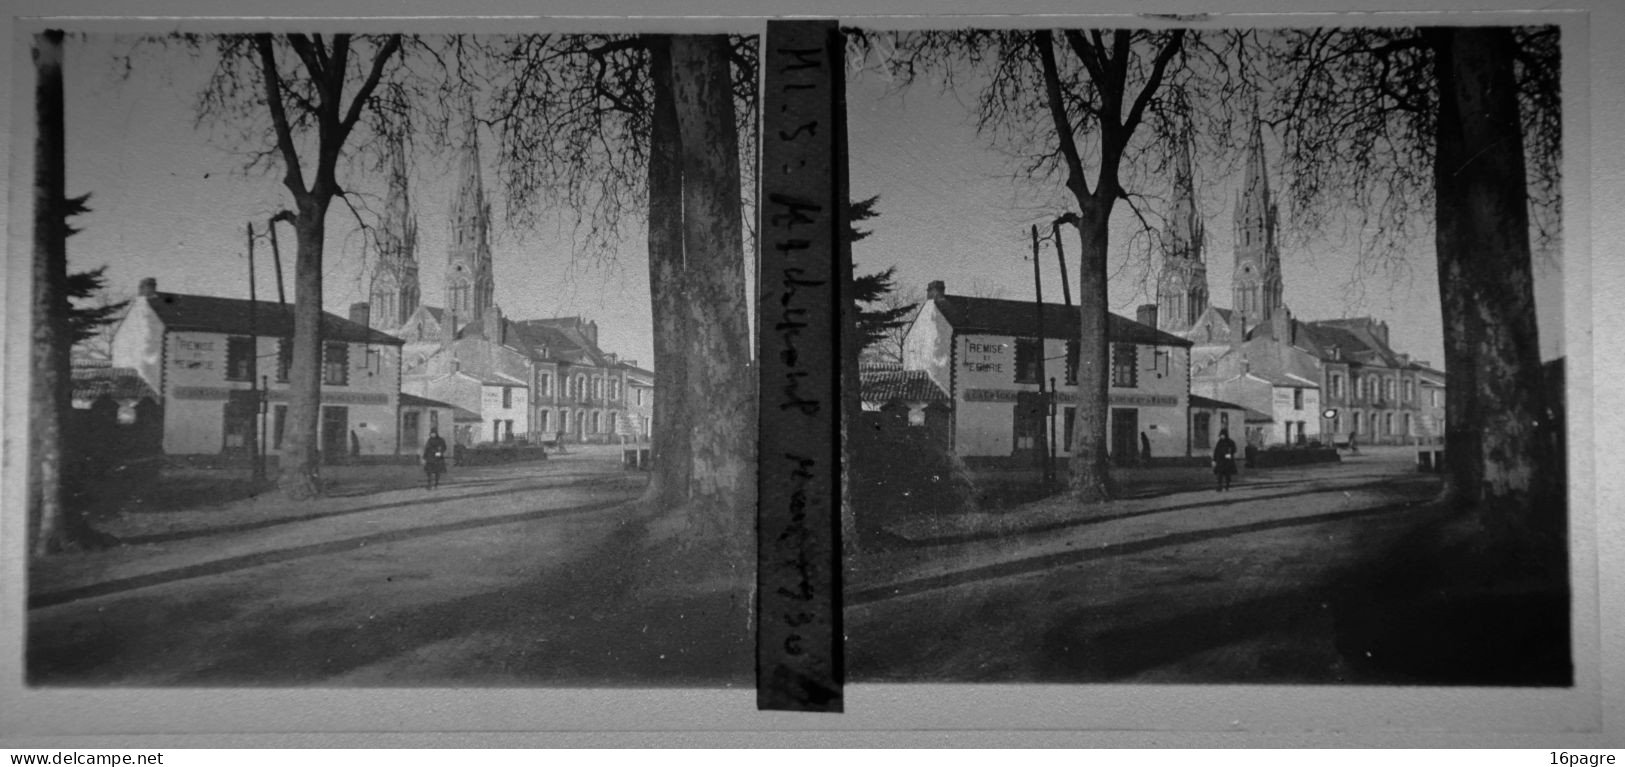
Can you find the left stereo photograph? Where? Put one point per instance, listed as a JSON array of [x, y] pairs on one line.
[[379, 358]]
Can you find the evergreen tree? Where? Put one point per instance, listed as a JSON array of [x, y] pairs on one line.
[[869, 290]]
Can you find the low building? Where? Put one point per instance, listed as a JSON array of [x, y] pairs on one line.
[[1210, 417], [989, 356], [201, 355], [421, 415]]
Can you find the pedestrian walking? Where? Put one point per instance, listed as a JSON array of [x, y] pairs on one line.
[[434, 458], [1145, 450], [1353, 448], [1224, 460]]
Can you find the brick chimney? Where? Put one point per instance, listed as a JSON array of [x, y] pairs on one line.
[[592, 332], [1146, 314], [935, 290], [148, 287], [361, 313]]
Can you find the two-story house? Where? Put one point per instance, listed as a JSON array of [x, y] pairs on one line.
[[201, 354], [987, 355]]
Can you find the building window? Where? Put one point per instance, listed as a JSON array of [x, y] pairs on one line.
[[1388, 424], [594, 428], [1335, 383], [336, 364], [507, 397], [284, 359], [239, 358], [278, 423], [1410, 387], [1072, 357], [1029, 355], [543, 380], [541, 421], [1124, 369], [609, 423], [1070, 420], [434, 420], [1297, 399], [564, 421]]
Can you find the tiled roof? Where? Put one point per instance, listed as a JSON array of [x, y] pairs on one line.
[[212, 314], [901, 386], [119, 383], [413, 400], [998, 316], [1199, 401]]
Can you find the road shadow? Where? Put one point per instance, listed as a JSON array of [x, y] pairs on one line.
[[263, 558], [888, 539], [590, 620]]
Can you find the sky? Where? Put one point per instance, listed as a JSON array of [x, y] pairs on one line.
[[950, 211], [171, 201]]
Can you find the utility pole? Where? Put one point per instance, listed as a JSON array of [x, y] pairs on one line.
[[276, 253], [254, 454], [1043, 396], [1060, 253]]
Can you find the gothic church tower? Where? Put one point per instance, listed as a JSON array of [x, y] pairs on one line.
[[1182, 286], [394, 292], [469, 284], [1257, 278]]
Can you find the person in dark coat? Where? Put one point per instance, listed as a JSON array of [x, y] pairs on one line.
[[434, 458], [1224, 460], [1145, 450]]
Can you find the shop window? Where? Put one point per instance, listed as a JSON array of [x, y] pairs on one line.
[[284, 359]]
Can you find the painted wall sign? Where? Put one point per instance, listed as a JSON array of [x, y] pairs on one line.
[[1066, 396], [280, 395]]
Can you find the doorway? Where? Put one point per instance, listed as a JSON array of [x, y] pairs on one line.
[[1125, 435], [1202, 430], [335, 434], [1028, 426]]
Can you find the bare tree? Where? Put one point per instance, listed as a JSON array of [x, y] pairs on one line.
[[619, 127], [315, 91], [1072, 104], [1463, 121], [901, 303]]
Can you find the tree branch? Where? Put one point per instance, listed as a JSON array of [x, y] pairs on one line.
[[374, 75], [294, 177], [1063, 125]]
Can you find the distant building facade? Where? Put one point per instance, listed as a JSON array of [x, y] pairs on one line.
[[1320, 381], [526, 380]]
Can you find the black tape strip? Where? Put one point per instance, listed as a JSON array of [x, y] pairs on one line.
[[799, 662]]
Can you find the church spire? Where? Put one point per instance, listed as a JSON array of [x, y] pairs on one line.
[[469, 283], [1182, 286], [1256, 281], [394, 291]]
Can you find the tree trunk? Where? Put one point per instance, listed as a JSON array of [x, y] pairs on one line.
[[668, 481], [1493, 410], [1091, 480], [720, 386], [48, 400], [300, 460]]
